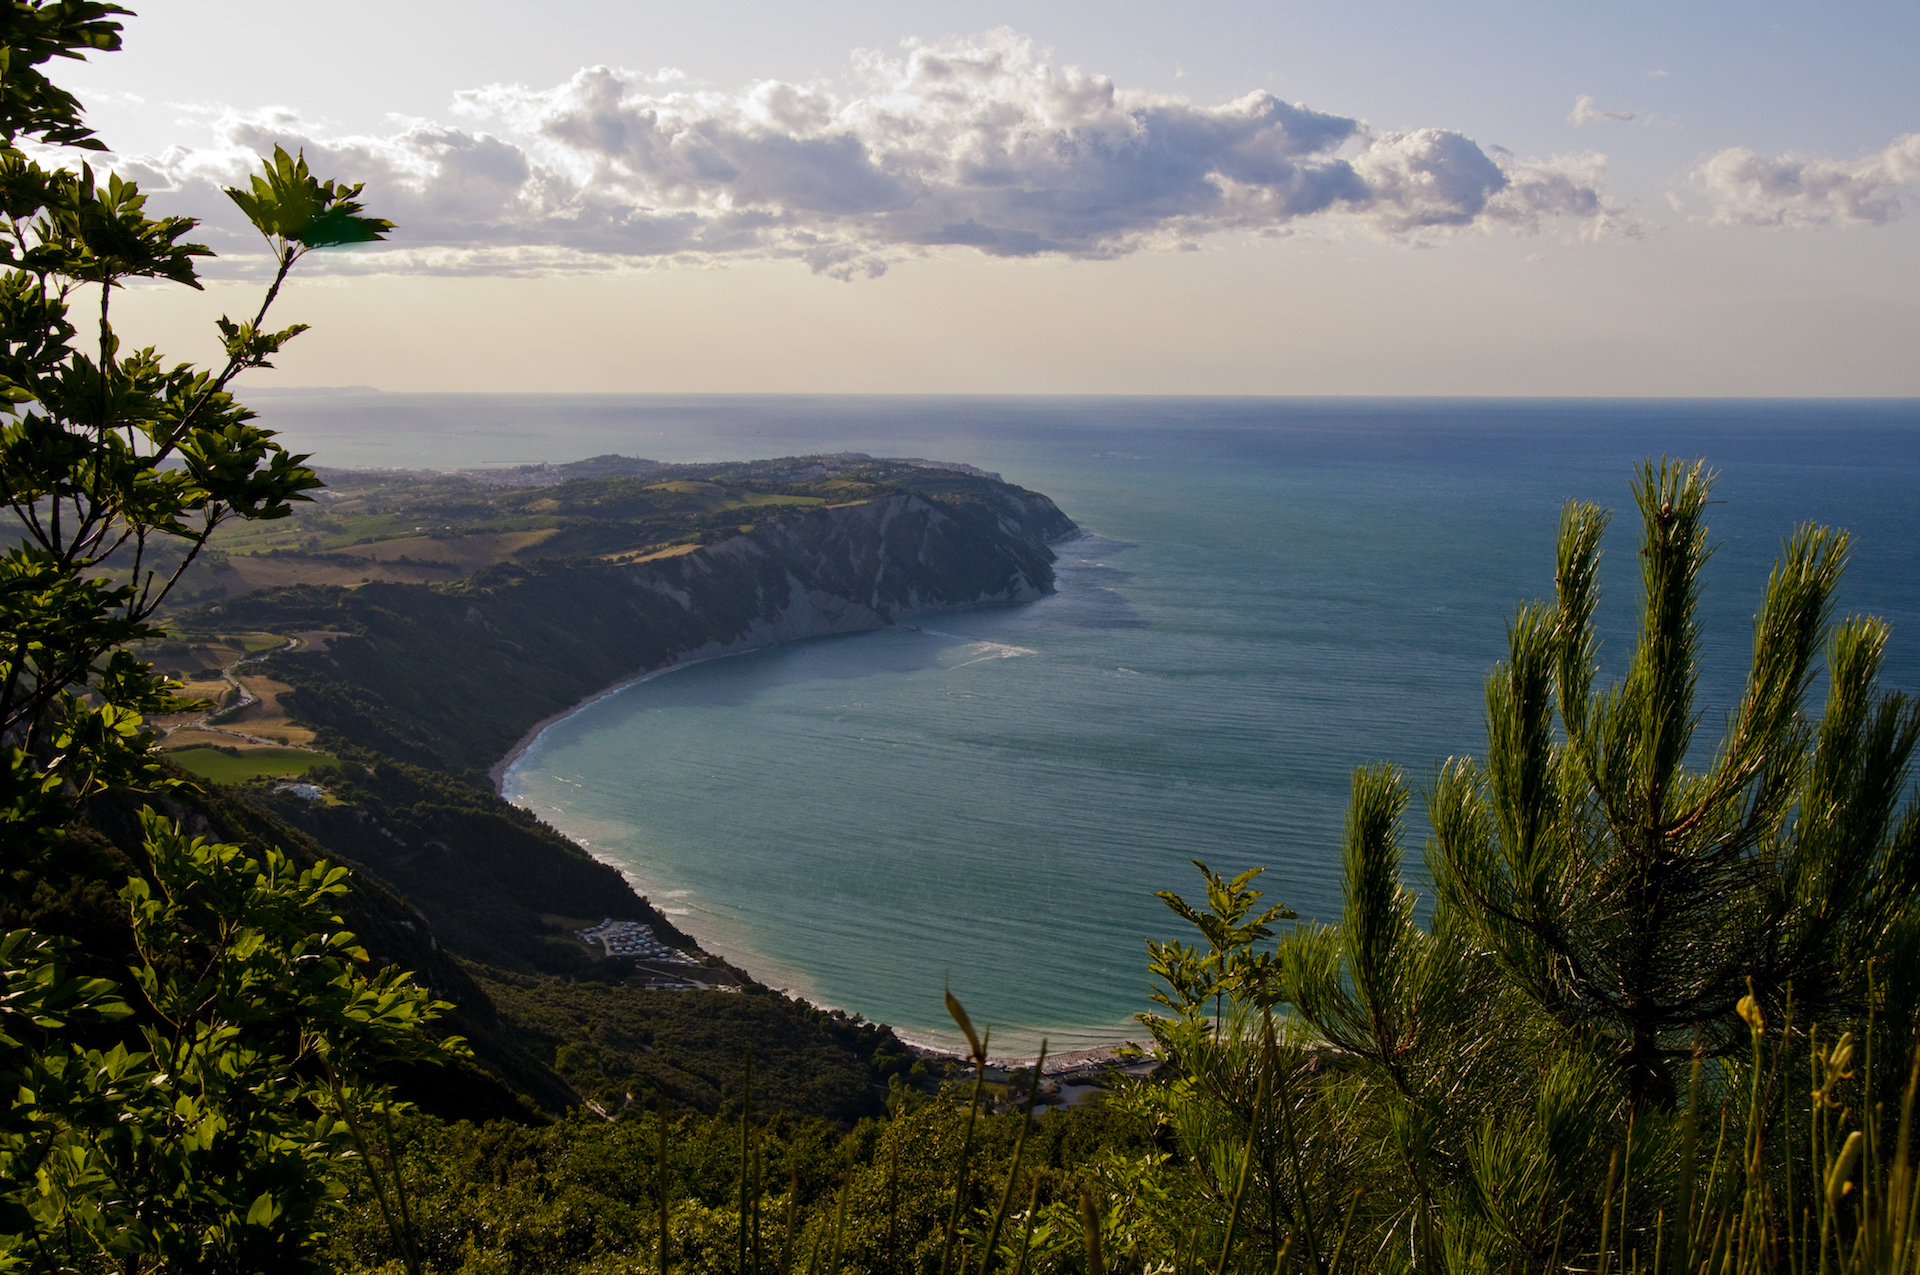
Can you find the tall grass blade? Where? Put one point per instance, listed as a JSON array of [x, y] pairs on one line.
[[839, 1225], [1559, 1234], [1346, 1228], [1305, 1219], [1626, 1189], [1013, 1173], [793, 1219], [955, 1010], [813, 1254], [893, 1205], [979, 1045], [1900, 1204], [407, 1230], [1606, 1211], [660, 1166], [759, 1198], [1246, 1164], [746, 1102], [1026, 1230], [348, 1109], [1090, 1225], [1838, 1177]]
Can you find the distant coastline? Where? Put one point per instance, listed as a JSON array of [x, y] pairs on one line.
[[299, 391]]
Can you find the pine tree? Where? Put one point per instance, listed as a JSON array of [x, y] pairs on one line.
[[1631, 895]]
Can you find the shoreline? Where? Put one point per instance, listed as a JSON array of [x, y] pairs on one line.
[[1071, 1062], [1085, 1060], [1102, 1056], [498, 772]]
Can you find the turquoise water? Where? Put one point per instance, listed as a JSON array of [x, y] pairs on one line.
[[1268, 594]]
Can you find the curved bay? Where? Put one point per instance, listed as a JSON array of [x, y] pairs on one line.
[[1263, 602]]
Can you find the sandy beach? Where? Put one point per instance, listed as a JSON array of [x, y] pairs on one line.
[[1072, 1063]]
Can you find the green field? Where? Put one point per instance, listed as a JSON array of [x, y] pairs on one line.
[[225, 768]]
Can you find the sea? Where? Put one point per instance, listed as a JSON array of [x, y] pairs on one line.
[[1265, 595]]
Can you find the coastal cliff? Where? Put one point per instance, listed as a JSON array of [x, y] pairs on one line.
[[453, 677], [848, 568]]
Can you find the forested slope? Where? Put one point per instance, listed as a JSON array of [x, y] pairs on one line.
[[412, 689]]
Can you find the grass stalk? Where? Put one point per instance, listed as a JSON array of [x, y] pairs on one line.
[[759, 1195], [660, 1168], [1559, 1234], [839, 1224], [1090, 1228], [746, 1103], [1711, 1197], [399, 1187], [347, 1109], [1013, 1173], [1900, 1193], [1305, 1220], [1626, 1189], [1026, 1230], [1346, 1228], [793, 1219], [1246, 1163], [1606, 1211], [813, 1255], [978, 1044]]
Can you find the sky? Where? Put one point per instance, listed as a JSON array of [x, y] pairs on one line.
[[1214, 197]]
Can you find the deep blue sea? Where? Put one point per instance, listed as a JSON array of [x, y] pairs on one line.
[[1269, 593]]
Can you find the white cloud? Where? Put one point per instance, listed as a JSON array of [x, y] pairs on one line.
[[979, 144], [1800, 192], [1585, 111]]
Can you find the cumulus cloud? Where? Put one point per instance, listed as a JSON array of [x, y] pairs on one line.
[[978, 145], [1800, 192]]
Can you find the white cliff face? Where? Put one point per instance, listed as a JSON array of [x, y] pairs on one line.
[[447, 677], [850, 568]]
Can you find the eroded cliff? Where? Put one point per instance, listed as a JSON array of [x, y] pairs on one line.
[[847, 568], [454, 676]]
